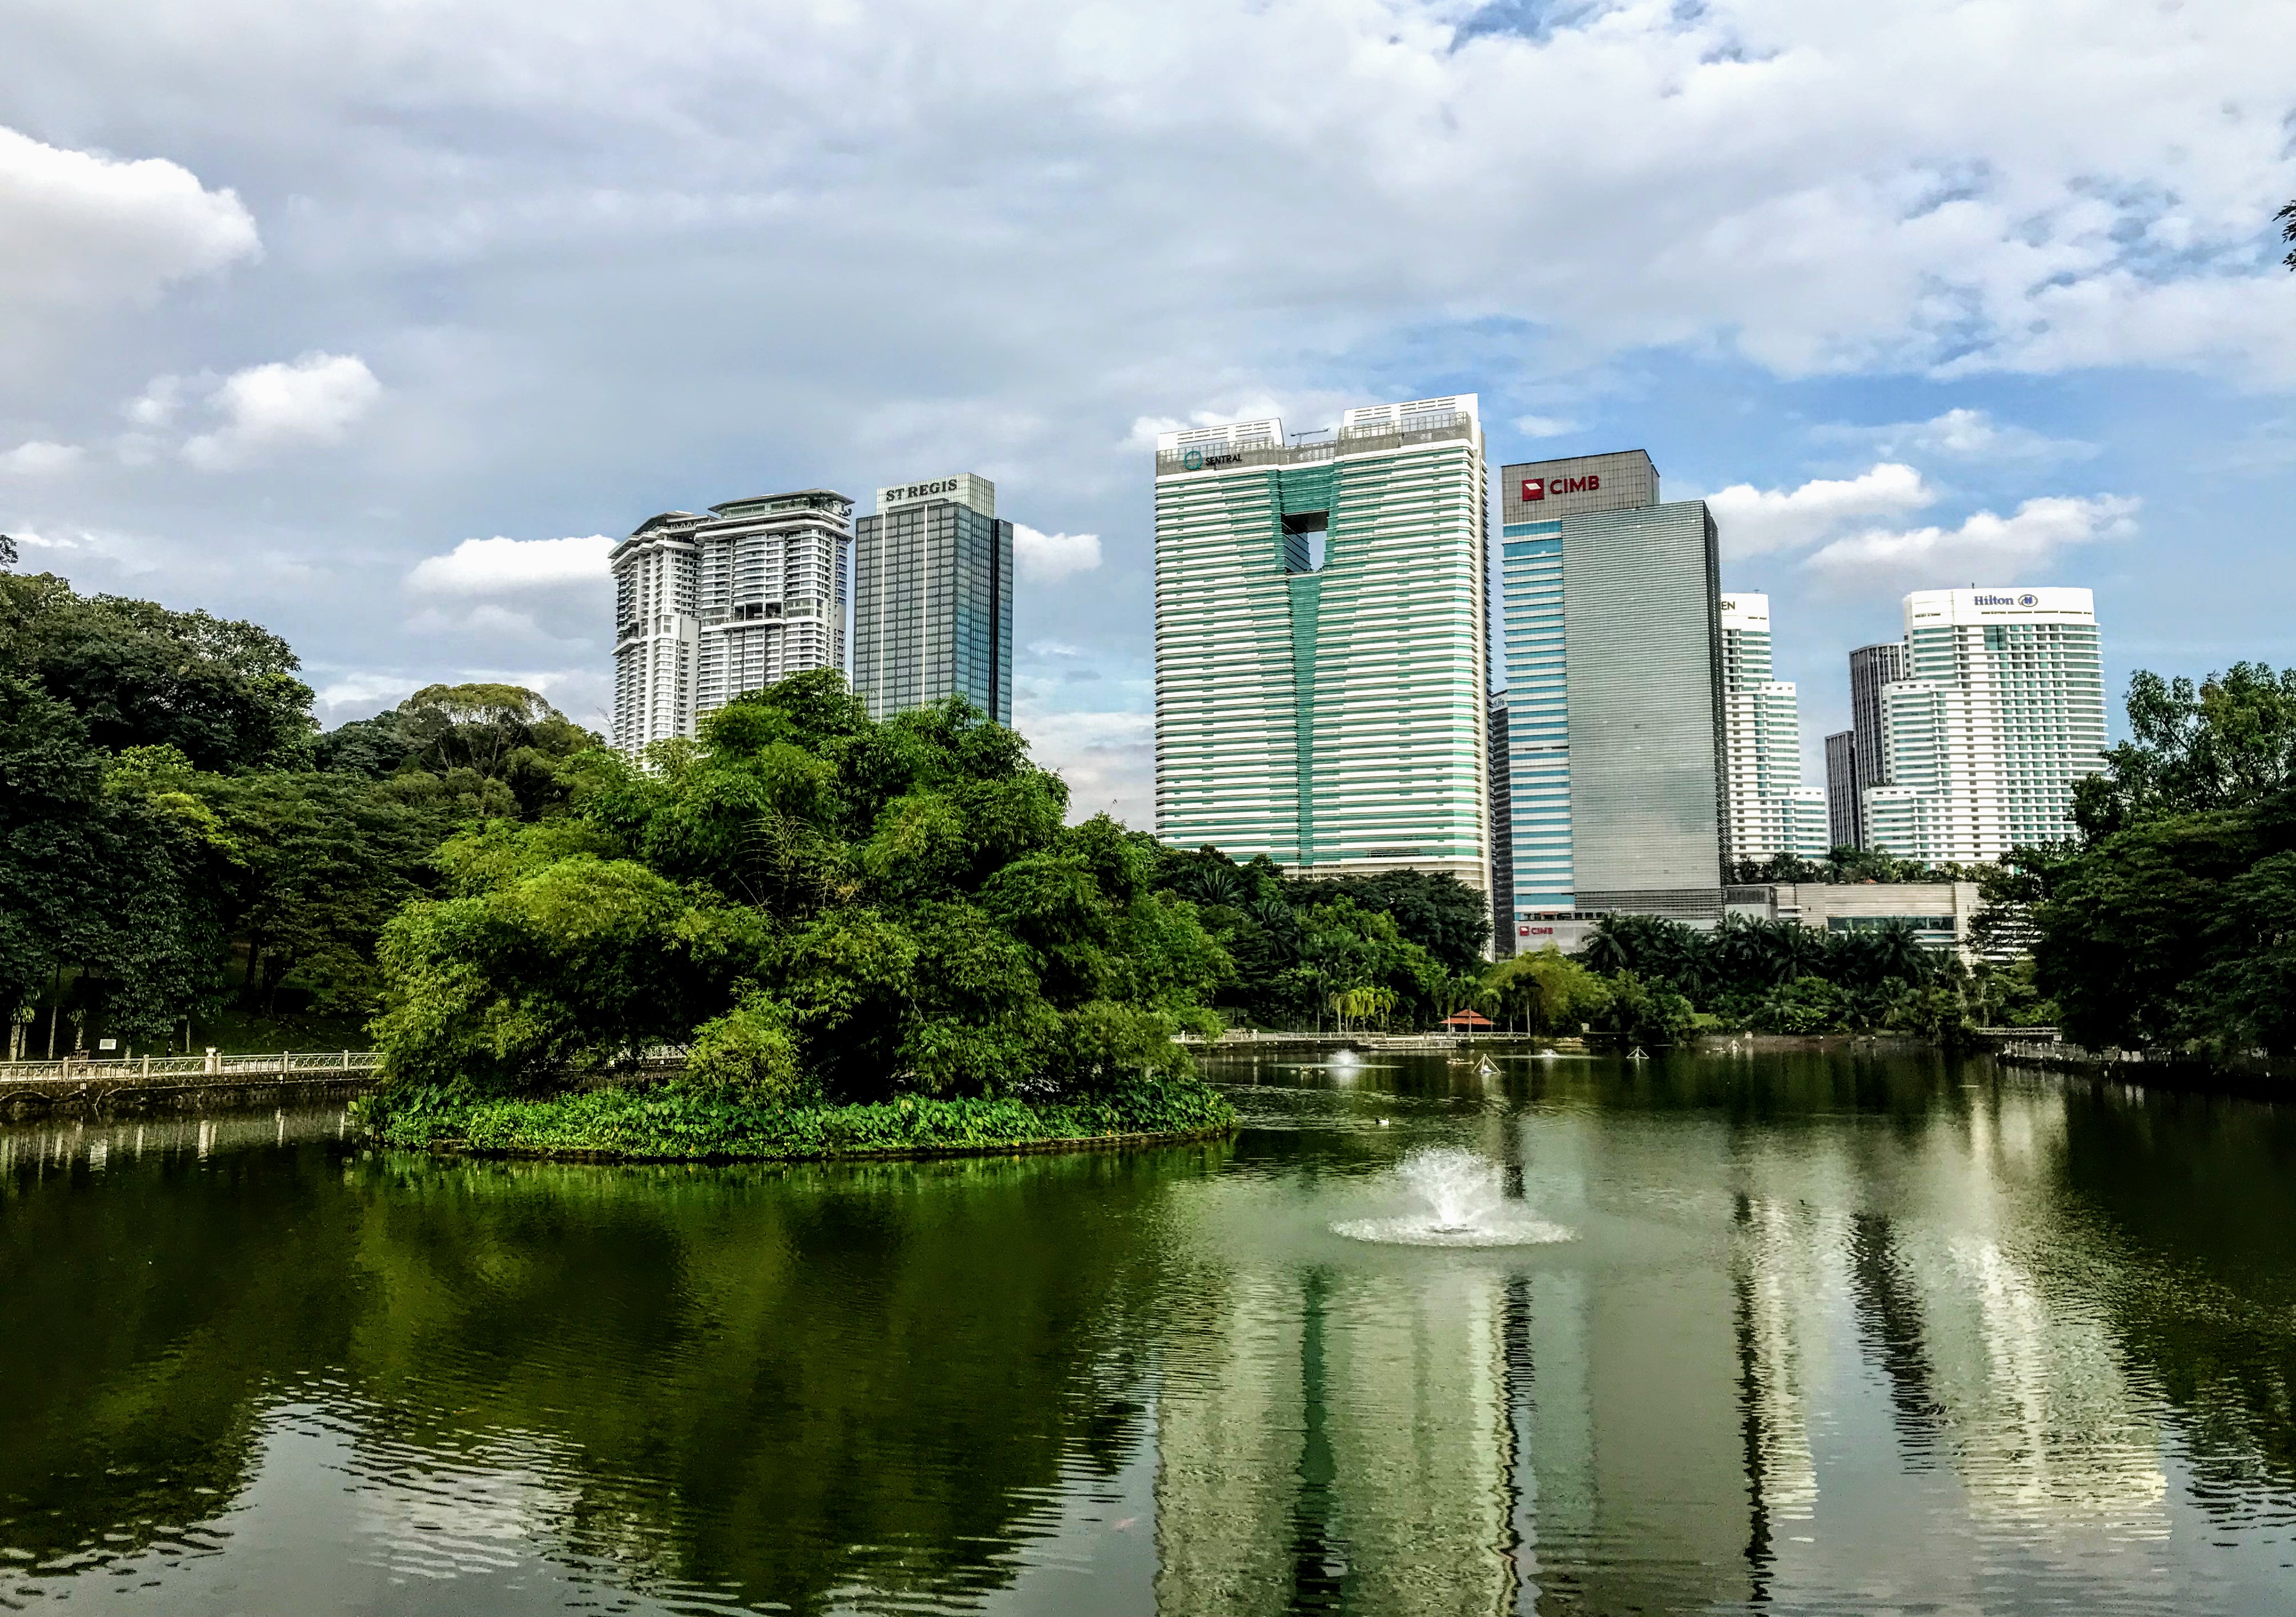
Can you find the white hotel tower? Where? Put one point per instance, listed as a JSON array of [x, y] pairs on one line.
[[709, 607], [1766, 809], [2001, 709]]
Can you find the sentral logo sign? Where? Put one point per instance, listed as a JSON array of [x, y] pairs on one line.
[[1535, 489]]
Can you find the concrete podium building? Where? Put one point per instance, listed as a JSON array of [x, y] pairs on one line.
[[1321, 641], [1616, 750], [932, 598], [709, 606]]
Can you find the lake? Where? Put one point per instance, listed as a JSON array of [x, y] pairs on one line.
[[1880, 1331]]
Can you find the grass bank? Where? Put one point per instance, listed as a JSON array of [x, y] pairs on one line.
[[673, 1122]]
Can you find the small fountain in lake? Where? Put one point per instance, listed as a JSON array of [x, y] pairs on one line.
[[1464, 1205]]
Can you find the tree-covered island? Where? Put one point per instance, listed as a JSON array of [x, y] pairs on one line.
[[867, 936]]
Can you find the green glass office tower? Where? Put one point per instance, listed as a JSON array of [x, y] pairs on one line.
[[1321, 631], [1615, 734], [932, 598]]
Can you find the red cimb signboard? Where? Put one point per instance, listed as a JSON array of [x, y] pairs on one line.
[[1538, 487]]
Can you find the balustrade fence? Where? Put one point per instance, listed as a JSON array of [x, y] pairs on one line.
[[295, 1063]]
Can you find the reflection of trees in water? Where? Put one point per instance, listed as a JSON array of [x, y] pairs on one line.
[[775, 1384], [142, 1343], [2202, 1194], [780, 1384]]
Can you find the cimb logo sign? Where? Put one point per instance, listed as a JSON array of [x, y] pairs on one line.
[[1539, 488]]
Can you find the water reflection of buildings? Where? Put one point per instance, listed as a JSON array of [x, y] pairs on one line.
[[1766, 1408], [1452, 1435]]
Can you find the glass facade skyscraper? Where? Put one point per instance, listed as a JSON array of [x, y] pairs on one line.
[[1870, 666], [932, 598], [1321, 641], [1615, 746], [2000, 710]]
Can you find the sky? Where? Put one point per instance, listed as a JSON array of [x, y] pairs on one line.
[[378, 323]]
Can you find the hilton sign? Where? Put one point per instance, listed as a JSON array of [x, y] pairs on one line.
[[1539, 488]]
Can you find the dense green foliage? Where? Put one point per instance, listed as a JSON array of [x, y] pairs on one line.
[[2173, 924], [827, 909], [1781, 977], [1847, 864], [175, 836], [692, 1118], [1304, 954]]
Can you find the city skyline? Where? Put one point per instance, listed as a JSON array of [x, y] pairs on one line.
[[388, 351]]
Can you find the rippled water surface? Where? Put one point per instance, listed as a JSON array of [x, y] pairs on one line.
[[1832, 1333]]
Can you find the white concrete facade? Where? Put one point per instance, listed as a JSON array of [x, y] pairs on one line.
[[1768, 808], [709, 607], [2001, 711]]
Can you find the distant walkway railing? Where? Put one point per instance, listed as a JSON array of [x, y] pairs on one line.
[[214, 1066]]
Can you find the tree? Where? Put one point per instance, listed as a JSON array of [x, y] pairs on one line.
[[1548, 989], [1440, 914], [2286, 218], [7, 551], [470, 749], [2226, 742], [221, 692], [321, 863], [825, 903]]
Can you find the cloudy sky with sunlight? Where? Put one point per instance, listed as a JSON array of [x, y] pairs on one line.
[[378, 323]]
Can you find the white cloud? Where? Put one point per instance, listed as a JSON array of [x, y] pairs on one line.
[[1986, 548], [488, 623], [1963, 434], [311, 400], [1047, 558], [360, 695], [1544, 426], [156, 404], [39, 458], [86, 229], [1054, 648], [43, 541], [1108, 760], [1756, 521], [480, 567]]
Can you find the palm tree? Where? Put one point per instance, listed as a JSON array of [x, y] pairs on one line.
[[1607, 949], [2287, 219], [1898, 952], [1216, 884]]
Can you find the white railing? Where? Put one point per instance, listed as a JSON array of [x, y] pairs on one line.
[[215, 1064]]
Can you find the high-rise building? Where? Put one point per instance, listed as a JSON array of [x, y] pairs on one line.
[[1766, 809], [1870, 666], [1502, 833], [1321, 638], [2000, 710], [1615, 747], [709, 607], [932, 598], [1842, 789]]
